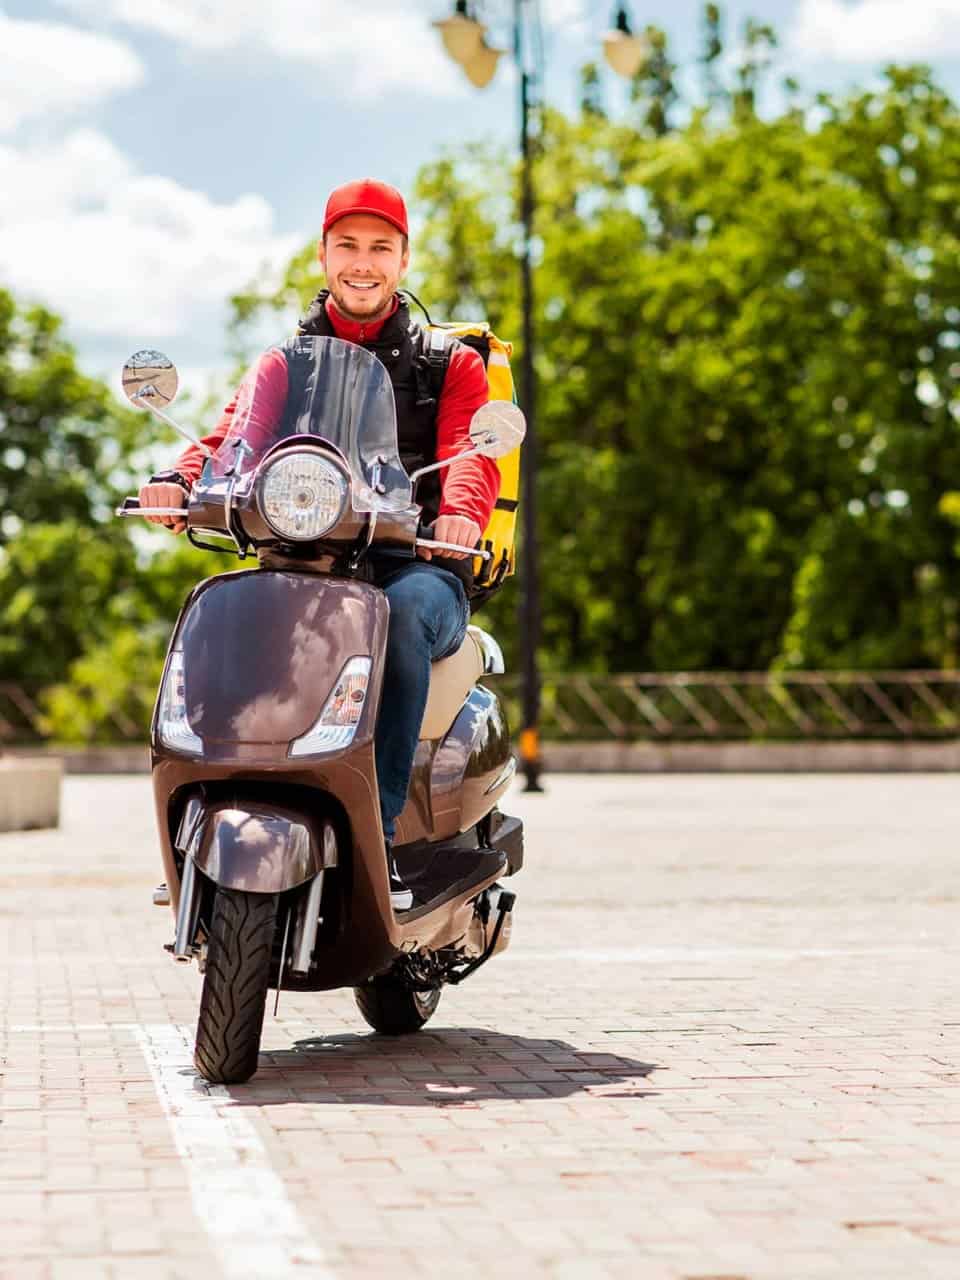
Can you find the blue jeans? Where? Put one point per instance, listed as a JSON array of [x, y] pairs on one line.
[[428, 621]]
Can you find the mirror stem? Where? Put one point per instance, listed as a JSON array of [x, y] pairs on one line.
[[181, 431], [436, 466]]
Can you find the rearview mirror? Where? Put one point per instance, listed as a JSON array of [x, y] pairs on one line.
[[497, 428], [150, 379]]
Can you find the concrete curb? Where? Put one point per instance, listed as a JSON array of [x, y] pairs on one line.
[[752, 757], [126, 759], [648, 757], [29, 792]]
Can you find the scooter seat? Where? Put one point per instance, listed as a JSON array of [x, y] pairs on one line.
[[451, 679]]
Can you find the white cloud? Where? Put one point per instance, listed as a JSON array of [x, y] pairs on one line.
[[47, 67], [126, 255], [877, 30], [572, 16], [368, 50]]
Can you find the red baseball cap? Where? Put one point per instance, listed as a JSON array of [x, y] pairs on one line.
[[367, 196]]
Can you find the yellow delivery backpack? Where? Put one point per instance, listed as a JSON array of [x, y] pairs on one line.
[[499, 537]]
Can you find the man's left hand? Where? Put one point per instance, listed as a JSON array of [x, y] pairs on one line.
[[457, 529]]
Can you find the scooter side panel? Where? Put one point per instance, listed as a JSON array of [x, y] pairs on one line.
[[262, 651], [469, 759], [416, 820]]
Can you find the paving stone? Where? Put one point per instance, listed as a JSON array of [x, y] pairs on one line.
[[724, 1044]]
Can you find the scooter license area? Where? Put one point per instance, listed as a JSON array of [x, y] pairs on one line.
[[723, 1044]]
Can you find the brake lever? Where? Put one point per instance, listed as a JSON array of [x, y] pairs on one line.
[[431, 545], [132, 507]]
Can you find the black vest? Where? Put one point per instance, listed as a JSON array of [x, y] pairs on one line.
[[399, 348]]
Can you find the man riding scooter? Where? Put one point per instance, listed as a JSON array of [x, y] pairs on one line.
[[365, 253]]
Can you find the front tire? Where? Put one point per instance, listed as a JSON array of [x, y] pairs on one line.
[[393, 1009], [235, 982]]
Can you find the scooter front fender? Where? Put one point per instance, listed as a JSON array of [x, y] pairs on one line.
[[259, 849]]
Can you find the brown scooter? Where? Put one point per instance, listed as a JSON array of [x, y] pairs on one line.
[[262, 737]]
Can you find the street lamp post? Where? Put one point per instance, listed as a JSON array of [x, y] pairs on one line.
[[464, 38], [530, 761]]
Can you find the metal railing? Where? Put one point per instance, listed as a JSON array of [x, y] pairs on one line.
[[20, 719], [799, 705]]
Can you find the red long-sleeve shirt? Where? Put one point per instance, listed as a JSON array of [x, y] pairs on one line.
[[469, 488]]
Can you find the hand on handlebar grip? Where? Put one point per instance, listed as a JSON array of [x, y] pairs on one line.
[[460, 530], [164, 494]]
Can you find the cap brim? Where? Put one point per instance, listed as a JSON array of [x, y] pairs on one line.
[[374, 213]]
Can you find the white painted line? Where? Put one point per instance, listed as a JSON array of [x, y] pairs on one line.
[[237, 1197], [60, 1028], [695, 955]]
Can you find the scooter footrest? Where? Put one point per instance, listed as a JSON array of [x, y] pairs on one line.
[[471, 869], [506, 835]]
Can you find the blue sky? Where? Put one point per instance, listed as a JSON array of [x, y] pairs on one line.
[[153, 153]]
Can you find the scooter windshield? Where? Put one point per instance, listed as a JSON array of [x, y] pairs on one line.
[[324, 387]]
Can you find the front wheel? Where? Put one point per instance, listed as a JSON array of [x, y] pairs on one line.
[[234, 995], [393, 1009]]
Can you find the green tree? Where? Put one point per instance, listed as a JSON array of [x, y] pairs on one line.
[[760, 41], [591, 90], [712, 53], [66, 588], [749, 358], [61, 585], [103, 689], [654, 85], [64, 439], [81, 609]]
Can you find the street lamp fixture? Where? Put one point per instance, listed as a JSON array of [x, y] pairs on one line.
[[461, 33], [624, 52], [482, 67], [463, 38]]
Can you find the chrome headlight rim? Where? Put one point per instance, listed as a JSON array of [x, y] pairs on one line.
[[336, 468]]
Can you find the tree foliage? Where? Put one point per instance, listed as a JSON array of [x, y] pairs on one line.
[[106, 691], [748, 358], [74, 590], [748, 370], [63, 436]]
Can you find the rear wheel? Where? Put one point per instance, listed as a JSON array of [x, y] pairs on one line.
[[393, 1009], [235, 983]]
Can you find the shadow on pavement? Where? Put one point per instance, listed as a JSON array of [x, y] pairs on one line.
[[437, 1069]]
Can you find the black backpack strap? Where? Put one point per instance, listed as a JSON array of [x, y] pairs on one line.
[[431, 363], [438, 347]]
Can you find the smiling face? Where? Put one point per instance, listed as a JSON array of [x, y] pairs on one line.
[[364, 259]]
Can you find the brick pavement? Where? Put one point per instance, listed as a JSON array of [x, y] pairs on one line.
[[725, 1044]]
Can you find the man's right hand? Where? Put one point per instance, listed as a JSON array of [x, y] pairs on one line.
[[164, 495]]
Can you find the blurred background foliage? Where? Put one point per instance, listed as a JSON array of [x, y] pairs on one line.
[[85, 612], [749, 372]]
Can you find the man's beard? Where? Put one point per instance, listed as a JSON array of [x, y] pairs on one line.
[[360, 317]]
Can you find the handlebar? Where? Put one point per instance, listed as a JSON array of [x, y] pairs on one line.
[[428, 541], [431, 545], [132, 507]]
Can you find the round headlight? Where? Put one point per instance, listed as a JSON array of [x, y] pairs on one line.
[[302, 495]]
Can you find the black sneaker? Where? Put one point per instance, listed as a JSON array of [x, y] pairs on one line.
[[401, 896]]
